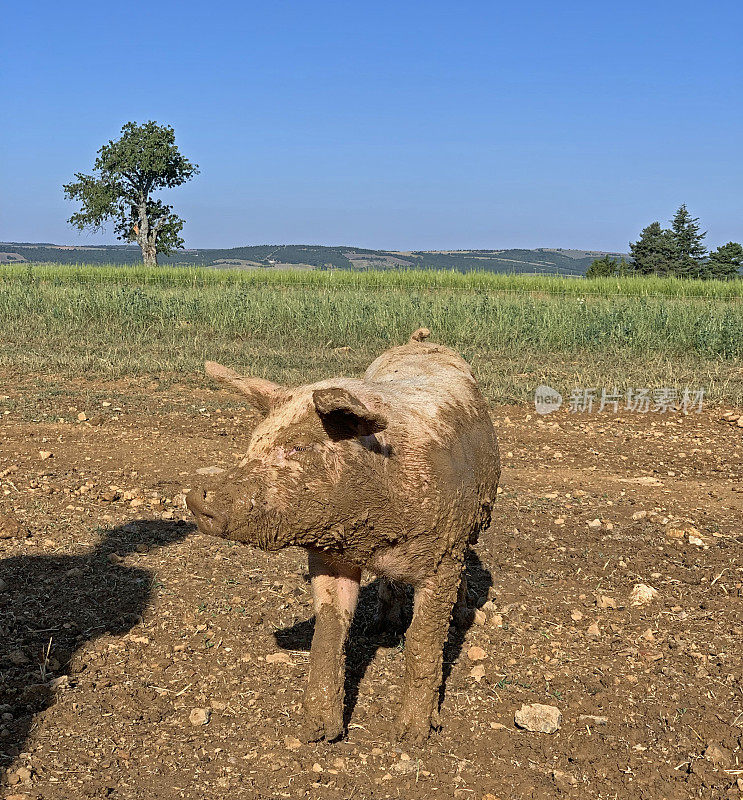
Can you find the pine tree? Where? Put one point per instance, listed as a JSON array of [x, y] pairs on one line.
[[689, 253], [725, 262], [652, 253]]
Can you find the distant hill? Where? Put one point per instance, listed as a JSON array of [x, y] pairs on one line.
[[542, 260]]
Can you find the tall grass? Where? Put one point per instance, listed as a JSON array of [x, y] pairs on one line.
[[518, 330], [417, 279]]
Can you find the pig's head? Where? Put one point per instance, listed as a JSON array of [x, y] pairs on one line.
[[308, 468]]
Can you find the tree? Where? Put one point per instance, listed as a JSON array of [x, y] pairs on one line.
[[608, 267], [689, 253], [725, 262], [127, 171], [653, 252]]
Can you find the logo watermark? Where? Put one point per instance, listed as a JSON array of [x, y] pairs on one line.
[[642, 401], [547, 400]]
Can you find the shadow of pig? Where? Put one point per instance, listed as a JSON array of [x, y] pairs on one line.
[[52, 605]]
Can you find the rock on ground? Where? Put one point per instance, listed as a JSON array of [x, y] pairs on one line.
[[538, 718]]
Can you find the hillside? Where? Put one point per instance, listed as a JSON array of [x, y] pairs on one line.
[[541, 260]]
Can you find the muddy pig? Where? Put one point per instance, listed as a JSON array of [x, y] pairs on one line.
[[394, 473]]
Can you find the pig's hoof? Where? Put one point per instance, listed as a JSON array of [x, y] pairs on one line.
[[413, 728], [316, 729]]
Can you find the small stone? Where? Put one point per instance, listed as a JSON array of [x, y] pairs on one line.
[[606, 602], [593, 629], [292, 743], [279, 658], [82, 416], [476, 653], [199, 716], [594, 523], [10, 528], [639, 515], [538, 718], [479, 617], [17, 657], [648, 635], [406, 765], [136, 502], [114, 558], [75, 572], [593, 719], [696, 540], [563, 780], [642, 594], [675, 533], [45, 454], [23, 774], [718, 755], [316, 767], [496, 621], [478, 673], [209, 471], [576, 615]]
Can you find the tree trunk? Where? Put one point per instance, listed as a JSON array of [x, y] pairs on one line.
[[146, 236], [149, 253]]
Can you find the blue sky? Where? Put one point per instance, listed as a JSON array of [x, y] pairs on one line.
[[401, 125]]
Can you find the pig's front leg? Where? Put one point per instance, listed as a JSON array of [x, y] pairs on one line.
[[335, 592], [424, 646]]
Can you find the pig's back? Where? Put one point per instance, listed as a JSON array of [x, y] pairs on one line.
[[425, 379], [433, 401], [441, 433]]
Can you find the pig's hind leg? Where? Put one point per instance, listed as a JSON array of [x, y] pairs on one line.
[[390, 613], [462, 615], [424, 645], [335, 592]]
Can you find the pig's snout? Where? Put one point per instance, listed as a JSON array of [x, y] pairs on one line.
[[210, 519]]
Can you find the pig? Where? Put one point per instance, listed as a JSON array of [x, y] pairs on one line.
[[394, 473]]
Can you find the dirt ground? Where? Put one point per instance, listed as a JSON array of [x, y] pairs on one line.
[[139, 659]]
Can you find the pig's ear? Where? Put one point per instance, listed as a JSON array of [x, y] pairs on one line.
[[262, 393], [345, 416]]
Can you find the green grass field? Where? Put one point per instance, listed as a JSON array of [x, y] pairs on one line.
[[517, 331]]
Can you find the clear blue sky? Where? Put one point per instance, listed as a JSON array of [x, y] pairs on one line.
[[405, 125]]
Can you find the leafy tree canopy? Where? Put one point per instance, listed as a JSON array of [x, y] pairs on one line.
[[608, 267], [143, 160]]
